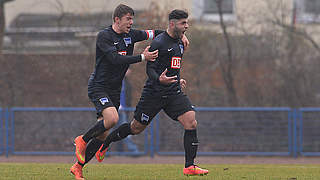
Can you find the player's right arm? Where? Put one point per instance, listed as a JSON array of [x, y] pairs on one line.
[[107, 46], [141, 35], [164, 79]]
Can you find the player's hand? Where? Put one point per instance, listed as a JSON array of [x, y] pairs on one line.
[[164, 79], [185, 41], [183, 83], [150, 56]]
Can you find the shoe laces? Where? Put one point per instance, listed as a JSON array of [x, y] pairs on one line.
[[196, 166]]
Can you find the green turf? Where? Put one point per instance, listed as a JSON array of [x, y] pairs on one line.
[[33, 171]]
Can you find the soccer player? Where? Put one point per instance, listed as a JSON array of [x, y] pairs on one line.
[[114, 54], [162, 90]]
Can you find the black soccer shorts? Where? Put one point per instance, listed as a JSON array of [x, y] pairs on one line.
[[173, 105], [102, 101]]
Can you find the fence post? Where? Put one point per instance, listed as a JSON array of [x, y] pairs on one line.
[[6, 117], [157, 134], [294, 118], [300, 133], [146, 148], [290, 132], [151, 140], [1, 130]]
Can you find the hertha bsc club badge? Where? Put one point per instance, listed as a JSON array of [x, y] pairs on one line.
[[181, 48], [127, 40], [144, 117], [104, 100]]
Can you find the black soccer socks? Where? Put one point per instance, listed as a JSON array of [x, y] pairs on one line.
[[94, 131], [120, 133], [92, 147], [190, 146]]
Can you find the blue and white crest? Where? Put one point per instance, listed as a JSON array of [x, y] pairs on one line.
[[104, 100], [127, 40], [181, 48], [144, 117]]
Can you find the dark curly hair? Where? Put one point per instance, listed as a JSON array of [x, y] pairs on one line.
[[178, 14]]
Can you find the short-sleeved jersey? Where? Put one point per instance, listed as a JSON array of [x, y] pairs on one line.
[[170, 58], [113, 57]]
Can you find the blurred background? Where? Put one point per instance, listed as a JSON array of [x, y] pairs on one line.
[[252, 66]]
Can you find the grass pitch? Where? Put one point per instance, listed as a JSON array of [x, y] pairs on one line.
[[37, 171]]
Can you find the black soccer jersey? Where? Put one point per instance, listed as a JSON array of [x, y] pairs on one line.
[[113, 57], [170, 56]]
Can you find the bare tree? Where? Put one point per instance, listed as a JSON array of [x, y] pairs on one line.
[[227, 67], [3, 74], [2, 25], [296, 59], [2, 22]]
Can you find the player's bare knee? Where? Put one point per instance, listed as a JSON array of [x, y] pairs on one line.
[[110, 116], [188, 120], [189, 124], [114, 120], [135, 131], [136, 127], [110, 122], [193, 124]]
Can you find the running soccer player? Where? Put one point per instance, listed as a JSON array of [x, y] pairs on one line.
[[162, 90], [114, 54]]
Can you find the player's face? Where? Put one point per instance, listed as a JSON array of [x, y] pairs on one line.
[[125, 23], [180, 27]]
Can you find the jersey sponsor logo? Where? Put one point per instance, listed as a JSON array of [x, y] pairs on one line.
[[127, 40], [123, 53], [144, 117], [170, 49], [104, 100], [181, 48], [115, 43], [175, 62]]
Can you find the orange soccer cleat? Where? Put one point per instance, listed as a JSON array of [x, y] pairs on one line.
[[100, 155], [80, 149], [194, 170], [76, 170]]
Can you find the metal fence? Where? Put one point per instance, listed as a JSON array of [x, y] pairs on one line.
[[1, 131], [221, 131], [50, 131], [234, 131], [308, 130]]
